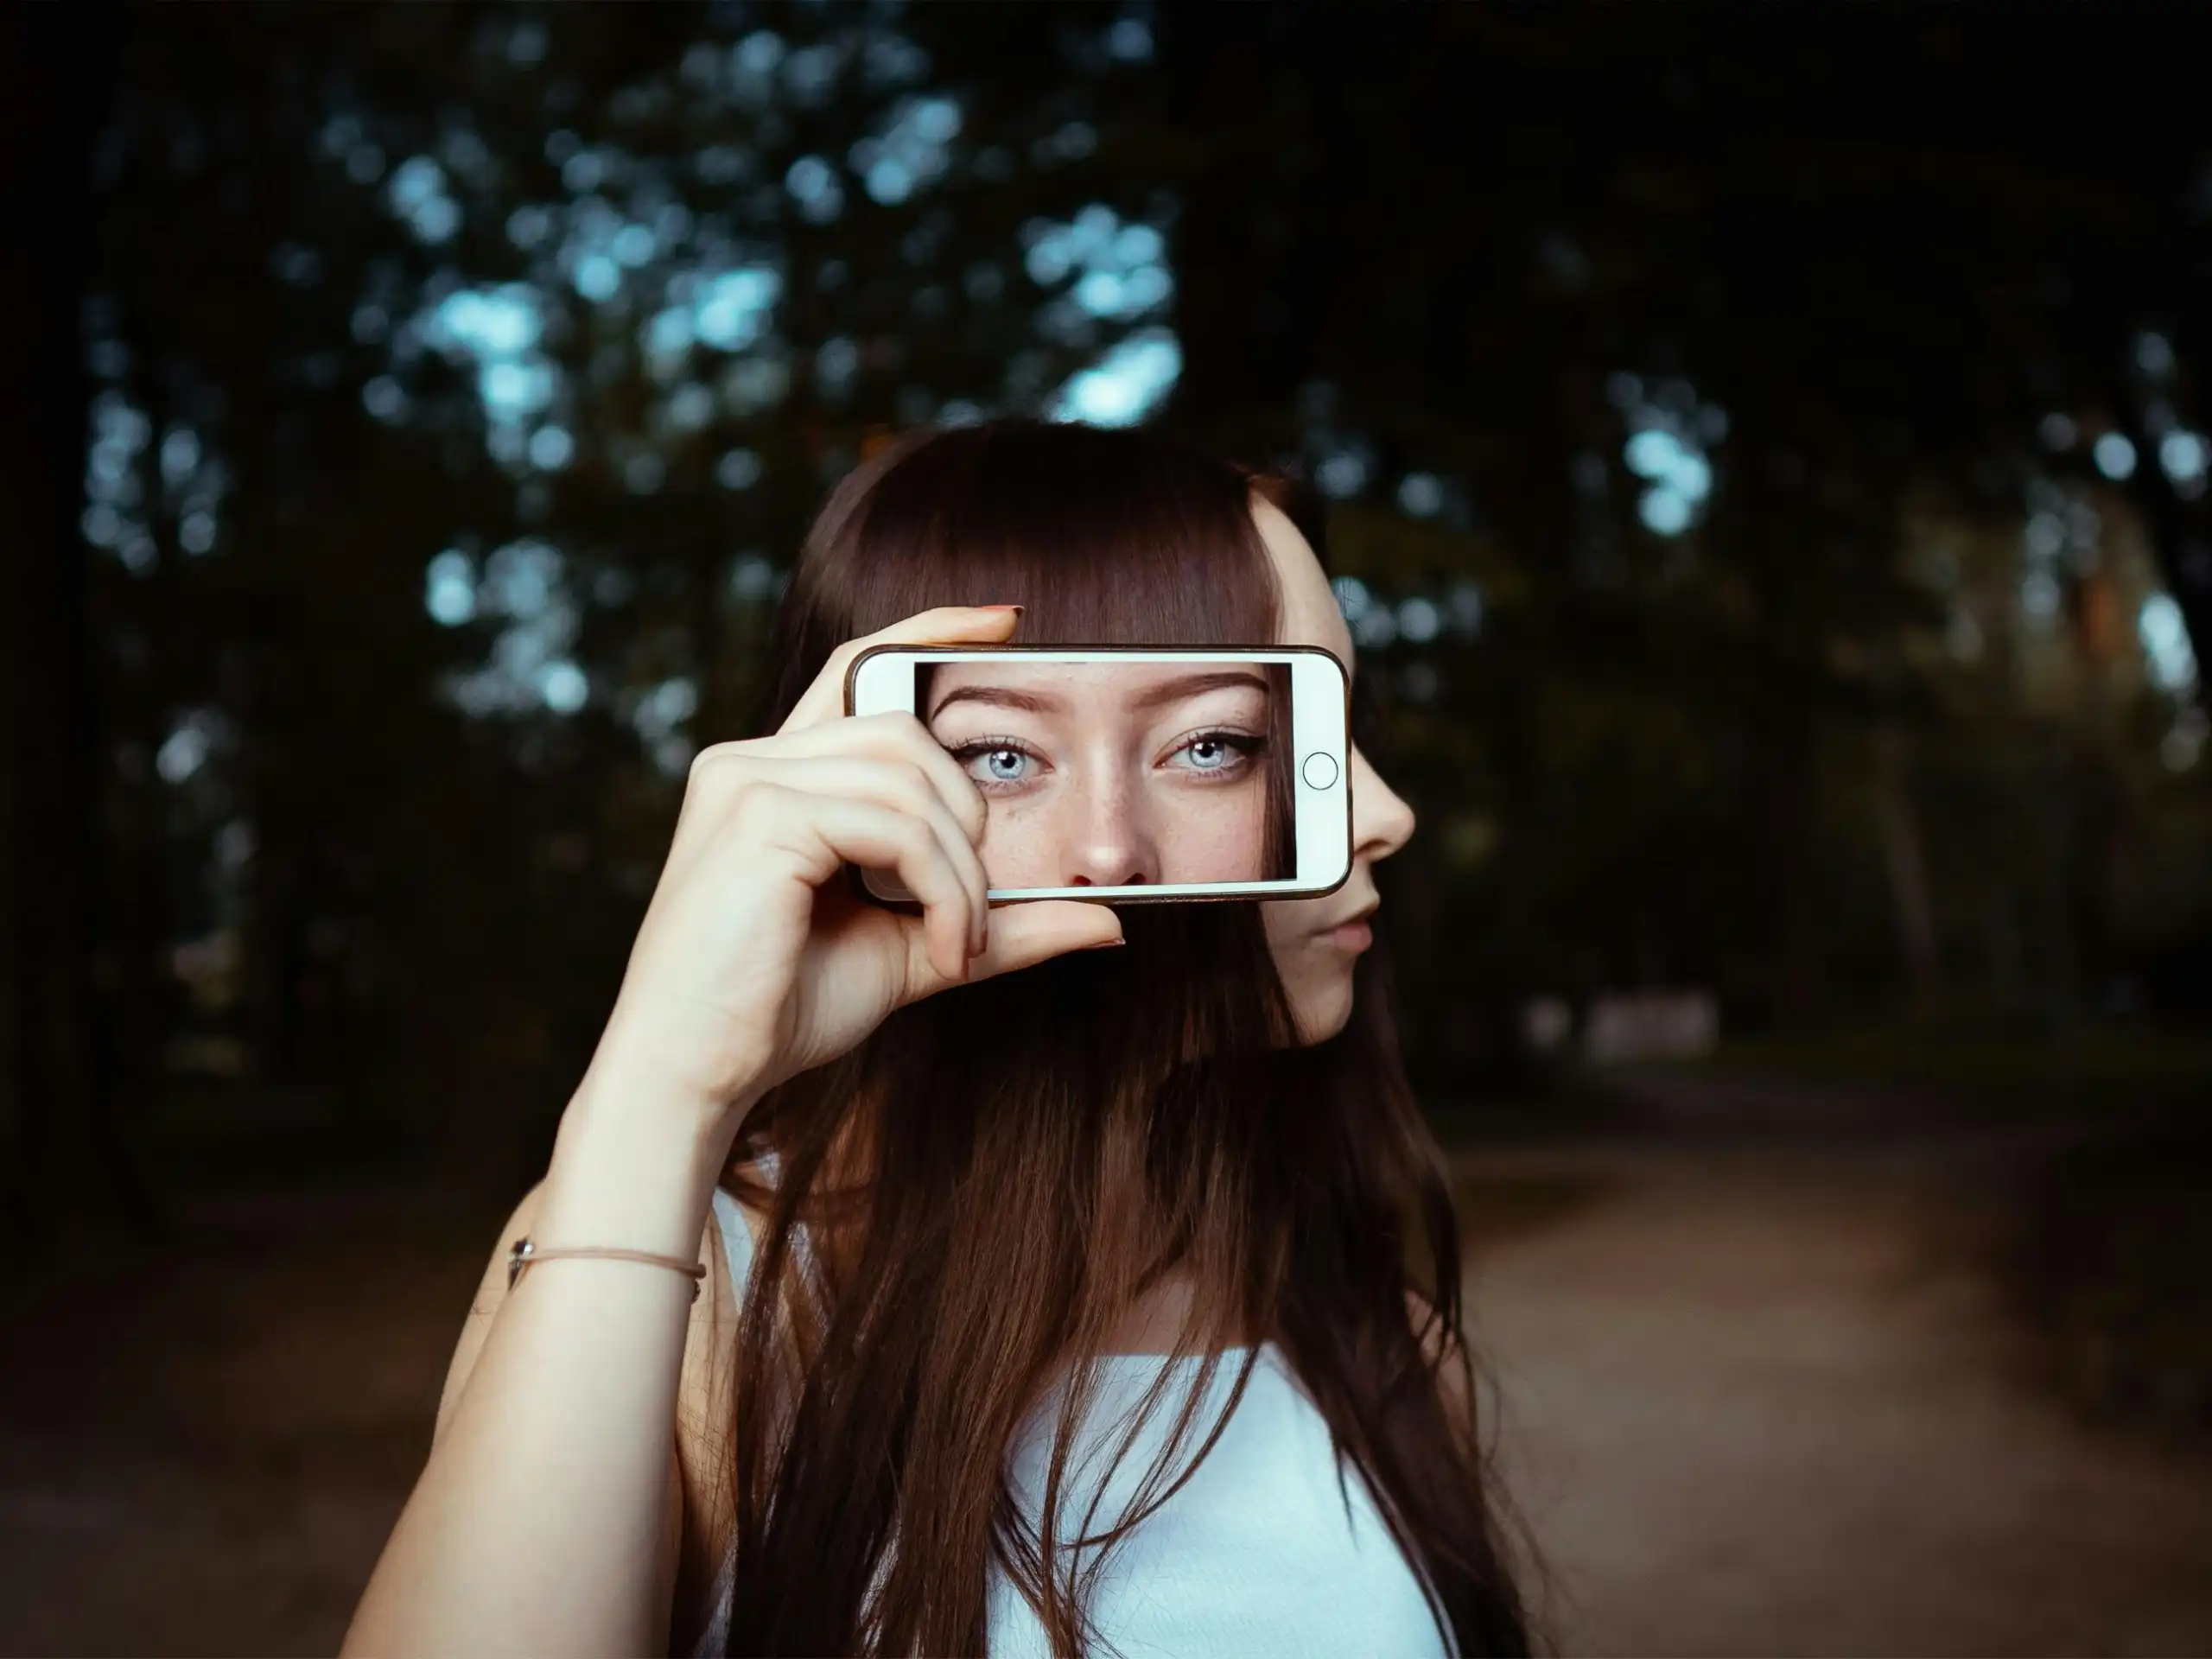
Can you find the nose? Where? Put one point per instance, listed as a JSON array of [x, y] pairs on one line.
[[1110, 846], [1381, 821]]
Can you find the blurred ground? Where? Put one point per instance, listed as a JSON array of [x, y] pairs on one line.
[[1770, 1403], [202, 1451], [1759, 1396]]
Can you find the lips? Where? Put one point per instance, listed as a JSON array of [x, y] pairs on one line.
[[1357, 919]]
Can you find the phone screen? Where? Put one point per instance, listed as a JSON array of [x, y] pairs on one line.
[[1121, 774], [1135, 773]]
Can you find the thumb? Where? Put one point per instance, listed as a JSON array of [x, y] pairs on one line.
[[1020, 937], [1023, 935]]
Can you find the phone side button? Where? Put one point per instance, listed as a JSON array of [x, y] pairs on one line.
[[1320, 772]]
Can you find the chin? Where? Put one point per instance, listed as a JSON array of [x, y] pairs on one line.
[[1322, 1006]]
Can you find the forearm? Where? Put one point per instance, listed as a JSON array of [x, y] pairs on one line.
[[538, 1523]]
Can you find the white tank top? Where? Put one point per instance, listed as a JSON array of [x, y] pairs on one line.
[[1273, 1547]]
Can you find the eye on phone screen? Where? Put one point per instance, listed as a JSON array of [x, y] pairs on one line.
[[1134, 774]]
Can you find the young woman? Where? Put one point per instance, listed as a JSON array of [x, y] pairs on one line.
[[1056, 1298]]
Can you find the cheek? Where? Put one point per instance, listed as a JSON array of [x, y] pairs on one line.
[[1288, 920], [1210, 832], [1298, 959], [1022, 846], [1318, 982]]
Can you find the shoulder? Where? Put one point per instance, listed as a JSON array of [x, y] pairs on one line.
[[705, 1419], [706, 1407], [730, 1242]]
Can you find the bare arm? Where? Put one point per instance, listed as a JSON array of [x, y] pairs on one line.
[[548, 1517]]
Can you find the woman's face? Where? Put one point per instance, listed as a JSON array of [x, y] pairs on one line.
[[1317, 940], [1111, 774]]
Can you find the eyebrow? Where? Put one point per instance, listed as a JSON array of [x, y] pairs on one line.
[[1036, 703]]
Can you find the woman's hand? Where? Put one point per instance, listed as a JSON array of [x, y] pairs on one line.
[[755, 961]]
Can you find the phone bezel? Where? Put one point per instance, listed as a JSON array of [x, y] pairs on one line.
[[1189, 893]]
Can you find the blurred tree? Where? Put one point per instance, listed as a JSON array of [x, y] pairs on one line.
[[1670, 313], [465, 378], [469, 377], [57, 1124]]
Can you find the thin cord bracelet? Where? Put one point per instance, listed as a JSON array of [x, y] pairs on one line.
[[525, 1253]]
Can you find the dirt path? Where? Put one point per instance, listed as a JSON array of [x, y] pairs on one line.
[[202, 1450], [1760, 1404], [1754, 1404]]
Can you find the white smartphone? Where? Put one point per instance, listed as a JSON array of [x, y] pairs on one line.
[[1135, 774]]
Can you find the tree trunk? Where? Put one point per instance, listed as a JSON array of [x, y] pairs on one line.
[[1903, 853], [66, 1161]]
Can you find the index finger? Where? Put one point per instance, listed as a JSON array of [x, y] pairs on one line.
[[949, 624]]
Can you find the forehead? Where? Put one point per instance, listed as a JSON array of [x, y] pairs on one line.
[[1309, 615]]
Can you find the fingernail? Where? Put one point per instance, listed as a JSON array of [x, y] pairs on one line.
[[1105, 945], [1016, 609]]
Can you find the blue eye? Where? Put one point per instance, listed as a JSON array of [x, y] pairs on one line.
[[1217, 753], [993, 762]]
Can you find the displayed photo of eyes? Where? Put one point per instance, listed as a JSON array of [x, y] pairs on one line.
[[1122, 773]]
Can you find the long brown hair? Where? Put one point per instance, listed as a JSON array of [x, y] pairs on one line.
[[960, 1210]]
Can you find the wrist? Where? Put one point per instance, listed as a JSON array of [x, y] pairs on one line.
[[631, 1168], [631, 1080], [642, 1063]]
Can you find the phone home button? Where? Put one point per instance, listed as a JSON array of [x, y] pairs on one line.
[[1319, 773]]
